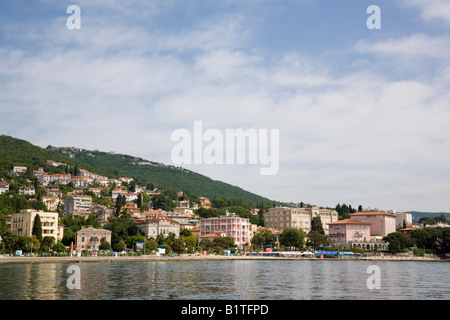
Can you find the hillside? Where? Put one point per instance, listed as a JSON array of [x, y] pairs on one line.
[[19, 152], [416, 215]]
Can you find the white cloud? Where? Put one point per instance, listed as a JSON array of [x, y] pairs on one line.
[[431, 9], [359, 137], [416, 45]]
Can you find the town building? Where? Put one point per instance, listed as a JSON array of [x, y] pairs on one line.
[[205, 203], [183, 207], [234, 226], [382, 223], [4, 187], [403, 219], [18, 171], [78, 206], [282, 218], [89, 239], [157, 224], [27, 190], [51, 202], [22, 223], [349, 230]]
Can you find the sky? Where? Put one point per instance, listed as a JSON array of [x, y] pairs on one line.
[[363, 114]]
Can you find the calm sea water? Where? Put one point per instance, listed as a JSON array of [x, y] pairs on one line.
[[232, 280]]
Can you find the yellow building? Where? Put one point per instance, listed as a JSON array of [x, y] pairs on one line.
[[22, 223], [283, 218]]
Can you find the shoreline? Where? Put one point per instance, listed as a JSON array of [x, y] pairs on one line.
[[153, 258]]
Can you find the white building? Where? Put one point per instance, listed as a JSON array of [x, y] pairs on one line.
[[4, 187], [27, 190], [402, 218], [159, 224]]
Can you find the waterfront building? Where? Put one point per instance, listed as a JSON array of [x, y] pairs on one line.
[[22, 223], [157, 224], [382, 223], [349, 230], [234, 226], [282, 218], [90, 238]]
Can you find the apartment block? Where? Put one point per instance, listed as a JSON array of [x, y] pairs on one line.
[[78, 206]]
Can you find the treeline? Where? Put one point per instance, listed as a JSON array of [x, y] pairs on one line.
[[425, 240]]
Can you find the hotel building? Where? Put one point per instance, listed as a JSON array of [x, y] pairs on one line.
[[233, 226], [282, 218]]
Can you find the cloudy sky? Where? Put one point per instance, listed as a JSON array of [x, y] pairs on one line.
[[363, 115]]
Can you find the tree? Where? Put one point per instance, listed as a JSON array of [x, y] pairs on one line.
[[293, 238], [121, 245], [317, 239], [398, 242], [37, 228], [445, 240], [104, 245], [224, 242], [151, 245], [139, 200], [263, 238], [360, 208], [316, 225], [59, 247], [47, 243], [178, 246], [206, 243]]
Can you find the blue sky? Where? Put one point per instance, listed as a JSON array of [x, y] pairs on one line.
[[363, 114]]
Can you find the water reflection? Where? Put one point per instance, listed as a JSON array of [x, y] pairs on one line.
[[233, 280]]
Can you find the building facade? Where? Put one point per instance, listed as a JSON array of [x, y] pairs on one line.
[[78, 206], [282, 218], [403, 218], [90, 238], [382, 223], [4, 187], [27, 190], [233, 226], [159, 224], [22, 223], [349, 230]]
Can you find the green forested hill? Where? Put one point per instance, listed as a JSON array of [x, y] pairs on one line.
[[19, 152], [16, 152]]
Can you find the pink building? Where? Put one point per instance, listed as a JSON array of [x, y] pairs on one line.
[[349, 230], [382, 223], [233, 226]]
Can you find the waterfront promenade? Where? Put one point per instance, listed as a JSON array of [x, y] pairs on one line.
[[154, 258]]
